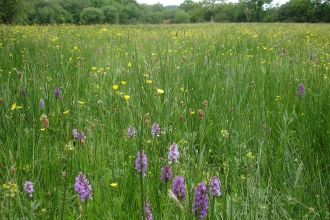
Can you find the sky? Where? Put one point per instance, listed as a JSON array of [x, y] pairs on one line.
[[178, 2]]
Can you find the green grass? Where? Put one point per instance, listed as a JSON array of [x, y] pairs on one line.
[[239, 78]]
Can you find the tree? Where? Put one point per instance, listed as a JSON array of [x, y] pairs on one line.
[[91, 16], [147, 10], [187, 5], [225, 12], [123, 17], [181, 17], [326, 11], [134, 14], [271, 14], [46, 15], [48, 12], [198, 14], [169, 14], [209, 7], [258, 7], [111, 14], [158, 17], [296, 11], [158, 7], [15, 10], [74, 7]]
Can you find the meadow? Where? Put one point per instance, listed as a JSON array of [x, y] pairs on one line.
[[89, 116]]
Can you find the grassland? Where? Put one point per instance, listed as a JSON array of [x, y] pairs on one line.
[[226, 94]]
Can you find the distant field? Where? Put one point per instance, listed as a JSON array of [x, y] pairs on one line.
[[246, 103]]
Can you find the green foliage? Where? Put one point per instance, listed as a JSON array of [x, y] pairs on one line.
[[48, 13], [326, 12], [271, 15], [170, 14], [111, 14], [158, 7], [188, 5], [12, 11], [130, 12], [225, 13], [133, 14], [304, 11], [92, 16], [181, 17], [197, 15], [158, 17], [258, 6], [74, 7]]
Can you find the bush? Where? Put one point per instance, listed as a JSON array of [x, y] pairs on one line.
[[111, 14], [181, 17], [91, 16], [158, 17]]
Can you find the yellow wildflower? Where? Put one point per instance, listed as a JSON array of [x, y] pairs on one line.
[[69, 146], [126, 97], [115, 87], [14, 106], [66, 112], [123, 82], [81, 102], [249, 155], [160, 91], [113, 185], [224, 133], [149, 81]]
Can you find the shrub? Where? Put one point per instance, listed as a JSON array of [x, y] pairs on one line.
[[91, 16], [111, 14], [181, 17]]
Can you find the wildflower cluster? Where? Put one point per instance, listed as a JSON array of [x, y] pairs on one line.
[[179, 188], [28, 187], [201, 200], [80, 136], [131, 131], [10, 189], [57, 93], [155, 129], [166, 173], [147, 210], [83, 187], [41, 104], [173, 154], [301, 90], [215, 186], [141, 163]]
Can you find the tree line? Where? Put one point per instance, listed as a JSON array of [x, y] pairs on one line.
[[130, 12]]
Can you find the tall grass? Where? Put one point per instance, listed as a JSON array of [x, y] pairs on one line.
[[230, 102]]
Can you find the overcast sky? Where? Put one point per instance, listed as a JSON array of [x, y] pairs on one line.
[[178, 2]]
